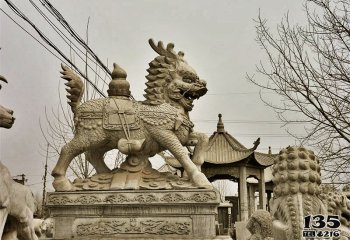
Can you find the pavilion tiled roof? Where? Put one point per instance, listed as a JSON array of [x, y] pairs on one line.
[[224, 148]]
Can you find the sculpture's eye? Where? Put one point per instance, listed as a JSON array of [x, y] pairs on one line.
[[189, 77], [188, 80]]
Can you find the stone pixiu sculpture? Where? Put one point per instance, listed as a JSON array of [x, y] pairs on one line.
[[138, 129], [17, 203]]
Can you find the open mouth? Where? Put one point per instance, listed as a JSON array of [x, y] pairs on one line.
[[192, 95]]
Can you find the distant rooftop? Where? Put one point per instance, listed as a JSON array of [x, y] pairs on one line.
[[224, 149]]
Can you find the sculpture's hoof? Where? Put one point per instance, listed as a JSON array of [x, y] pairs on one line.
[[201, 181], [62, 184]]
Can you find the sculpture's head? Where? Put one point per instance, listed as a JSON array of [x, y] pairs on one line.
[[6, 115], [260, 224], [296, 169], [171, 79]]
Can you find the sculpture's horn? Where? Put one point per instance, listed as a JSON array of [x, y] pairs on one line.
[[168, 52]]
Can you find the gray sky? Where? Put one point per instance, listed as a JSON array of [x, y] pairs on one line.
[[218, 38]]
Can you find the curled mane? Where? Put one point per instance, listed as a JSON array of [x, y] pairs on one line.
[[158, 76]]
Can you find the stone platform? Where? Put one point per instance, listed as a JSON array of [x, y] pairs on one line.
[[134, 214]]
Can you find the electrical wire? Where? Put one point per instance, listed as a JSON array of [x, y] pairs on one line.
[[47, 41], [66, 39], [66, 25], [31, 35]]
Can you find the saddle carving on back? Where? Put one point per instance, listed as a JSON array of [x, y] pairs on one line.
[[119, 112]]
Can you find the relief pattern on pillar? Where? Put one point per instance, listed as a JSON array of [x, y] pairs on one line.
[[156, 226], [120, 198]]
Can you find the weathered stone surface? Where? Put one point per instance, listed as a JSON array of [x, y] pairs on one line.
[[138, 129], [260, 225], [297, 193], [148, 178], [122, 214], [242, 232], [129, 225], [17, 205], [17, 202], [6, 115]]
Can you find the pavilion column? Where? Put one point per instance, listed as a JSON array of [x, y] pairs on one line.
[[251, 199], [268, 192], [262, 191], [243, 195]]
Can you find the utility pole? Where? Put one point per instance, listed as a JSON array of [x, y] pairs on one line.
[[44, 178], [22, 179]]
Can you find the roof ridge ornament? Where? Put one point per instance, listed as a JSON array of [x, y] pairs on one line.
[[220, 125]]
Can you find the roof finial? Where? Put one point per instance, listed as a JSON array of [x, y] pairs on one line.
[[270, 150], [220, 125]]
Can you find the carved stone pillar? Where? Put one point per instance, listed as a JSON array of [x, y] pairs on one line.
[[262, 191], [269, 193], [251, 199], [243, 196]]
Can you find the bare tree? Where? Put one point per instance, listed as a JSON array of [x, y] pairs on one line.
[[309, 68], [222, 187], [60, 124]]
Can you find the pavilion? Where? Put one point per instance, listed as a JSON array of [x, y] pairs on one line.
[[226, 158]]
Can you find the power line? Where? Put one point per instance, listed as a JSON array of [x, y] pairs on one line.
[[259, 135], [64, 37], [31, 35], [46, 40], [248, 121], [74, 34], [236, 93]]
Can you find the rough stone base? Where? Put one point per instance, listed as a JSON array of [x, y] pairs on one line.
[[134, 214], [242, 233]]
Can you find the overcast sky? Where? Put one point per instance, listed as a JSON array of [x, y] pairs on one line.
[[218, 38]]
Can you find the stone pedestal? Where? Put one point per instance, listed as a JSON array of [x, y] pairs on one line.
[[134, 214]]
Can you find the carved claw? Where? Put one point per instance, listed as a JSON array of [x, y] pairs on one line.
[[201, 181], [62, 184]]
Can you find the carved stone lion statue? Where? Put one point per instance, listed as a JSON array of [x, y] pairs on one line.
[[6, 115], [297, 193], [138, 129], [260, 225], [17, 203], [296, 178], [337, 204]]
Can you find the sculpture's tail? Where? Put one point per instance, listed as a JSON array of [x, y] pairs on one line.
[[76, 87], [3, 79]]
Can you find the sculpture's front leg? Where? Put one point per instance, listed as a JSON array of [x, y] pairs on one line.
[[169, 141], [200, 141]]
